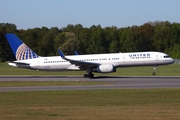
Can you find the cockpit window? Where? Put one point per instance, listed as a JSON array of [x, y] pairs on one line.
[[166, 56]]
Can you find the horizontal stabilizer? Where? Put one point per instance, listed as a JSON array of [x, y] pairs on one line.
[[19, 64]]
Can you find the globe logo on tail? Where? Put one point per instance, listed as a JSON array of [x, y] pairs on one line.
[[24, 52]]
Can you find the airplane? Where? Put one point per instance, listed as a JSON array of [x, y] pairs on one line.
[[100, 63]]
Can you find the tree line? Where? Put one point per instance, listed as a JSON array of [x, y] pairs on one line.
[[161, 36]]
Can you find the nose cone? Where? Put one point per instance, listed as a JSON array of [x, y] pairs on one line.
[[171, 61]]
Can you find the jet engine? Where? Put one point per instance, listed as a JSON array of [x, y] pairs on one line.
[[105, 69]]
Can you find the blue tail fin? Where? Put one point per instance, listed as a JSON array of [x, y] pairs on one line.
[[20, 50]]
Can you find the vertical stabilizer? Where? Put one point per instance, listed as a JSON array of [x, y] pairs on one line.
[[21, 51]]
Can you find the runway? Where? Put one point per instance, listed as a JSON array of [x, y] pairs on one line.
[[116, 82]]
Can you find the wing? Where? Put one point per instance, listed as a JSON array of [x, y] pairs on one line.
[[81, 64]]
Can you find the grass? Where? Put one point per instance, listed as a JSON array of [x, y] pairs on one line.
[[168, 70], [124, 104]]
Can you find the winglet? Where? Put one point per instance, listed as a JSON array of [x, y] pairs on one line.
[[76, 53], [61, 53]]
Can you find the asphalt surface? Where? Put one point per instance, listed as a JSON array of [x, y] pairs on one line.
[[116, 82]]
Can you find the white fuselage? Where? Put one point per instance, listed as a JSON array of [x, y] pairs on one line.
[[56, 63]]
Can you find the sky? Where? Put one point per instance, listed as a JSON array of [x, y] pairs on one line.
[[27, 14]]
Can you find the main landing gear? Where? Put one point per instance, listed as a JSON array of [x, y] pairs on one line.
[[89, 73], [154, 71]]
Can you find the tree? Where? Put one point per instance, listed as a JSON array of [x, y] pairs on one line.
[[47, 44], [70, 43], [97, 41], [114, 46], [129, 38], [159, 36], [5, 50], [176, 51], [162, 37], [145, 41], [112, 39]]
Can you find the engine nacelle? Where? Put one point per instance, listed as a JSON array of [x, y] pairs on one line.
[[105, 68]]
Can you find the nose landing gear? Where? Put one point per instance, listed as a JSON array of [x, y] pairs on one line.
[[154, 71]]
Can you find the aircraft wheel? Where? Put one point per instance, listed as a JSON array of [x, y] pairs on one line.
[[85, 75], [154, 73], [91, 75]]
